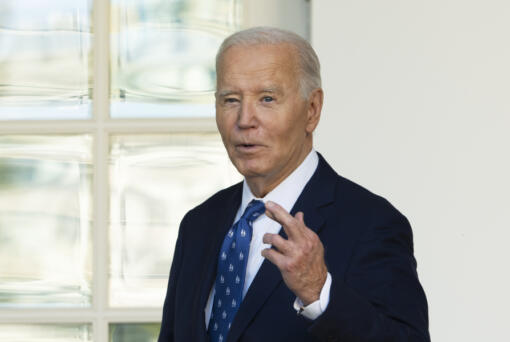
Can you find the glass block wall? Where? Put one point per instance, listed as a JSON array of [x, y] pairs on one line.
[[45, 59], [97, 170], [107, 138]]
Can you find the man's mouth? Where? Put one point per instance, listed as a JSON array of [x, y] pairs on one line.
[[247, 147]]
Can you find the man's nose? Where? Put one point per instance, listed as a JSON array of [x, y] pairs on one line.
[[247, 117]]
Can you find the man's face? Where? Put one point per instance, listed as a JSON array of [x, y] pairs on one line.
[[264, 121]]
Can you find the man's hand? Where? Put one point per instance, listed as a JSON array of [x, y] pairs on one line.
[[300, 258]]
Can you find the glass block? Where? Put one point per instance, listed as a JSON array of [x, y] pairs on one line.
[[134, 332], [45, 59], [45, 333], [45, 221], [162, 55], [155, 180]]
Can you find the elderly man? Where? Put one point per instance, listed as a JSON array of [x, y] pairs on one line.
[[295, 252]]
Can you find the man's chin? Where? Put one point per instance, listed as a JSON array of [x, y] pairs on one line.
[[250, 169], [249, 173]]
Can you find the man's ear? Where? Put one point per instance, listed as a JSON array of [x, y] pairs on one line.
[[315, 101]]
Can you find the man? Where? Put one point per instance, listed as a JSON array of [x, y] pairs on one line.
[[295, 252]]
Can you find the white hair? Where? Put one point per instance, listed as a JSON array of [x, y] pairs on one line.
[[308, 62]]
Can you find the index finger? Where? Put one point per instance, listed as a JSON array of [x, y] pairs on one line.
[[280, 215]]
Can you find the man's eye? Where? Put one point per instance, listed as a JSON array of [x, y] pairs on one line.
[[267, 99], [230, 100]]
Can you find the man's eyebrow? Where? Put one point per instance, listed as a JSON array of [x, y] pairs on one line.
[[273, 90], [226, 92]]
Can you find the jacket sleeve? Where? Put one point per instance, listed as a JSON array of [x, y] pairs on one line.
[[380, 298], [166, 333]]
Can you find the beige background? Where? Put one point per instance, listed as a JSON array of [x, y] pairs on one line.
[[418, 110]]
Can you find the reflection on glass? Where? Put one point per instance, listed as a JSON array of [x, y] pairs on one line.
[[154, 181], [44, 59], [45, 220], [45, 333], [162, 55], [133, 332]]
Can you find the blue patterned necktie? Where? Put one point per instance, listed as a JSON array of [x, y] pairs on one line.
[[231, 272]]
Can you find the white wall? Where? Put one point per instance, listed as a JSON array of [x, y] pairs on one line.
[[417, 109]]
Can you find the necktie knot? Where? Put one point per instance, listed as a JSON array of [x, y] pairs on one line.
[[254, 209]]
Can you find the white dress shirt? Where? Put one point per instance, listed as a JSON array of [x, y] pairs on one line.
[[285, 194]]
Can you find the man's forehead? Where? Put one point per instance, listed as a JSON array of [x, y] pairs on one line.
[[255, 83], [259, 59], [256, 69]]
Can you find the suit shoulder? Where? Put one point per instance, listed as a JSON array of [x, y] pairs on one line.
[[357, 196], [352, 196], [374, 215]]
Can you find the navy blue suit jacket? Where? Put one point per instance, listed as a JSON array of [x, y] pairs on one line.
[[375, 293]]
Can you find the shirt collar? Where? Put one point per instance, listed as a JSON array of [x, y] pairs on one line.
[[287, 192]]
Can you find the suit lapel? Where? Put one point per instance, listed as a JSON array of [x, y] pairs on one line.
[[317, 193], [218, 231]]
